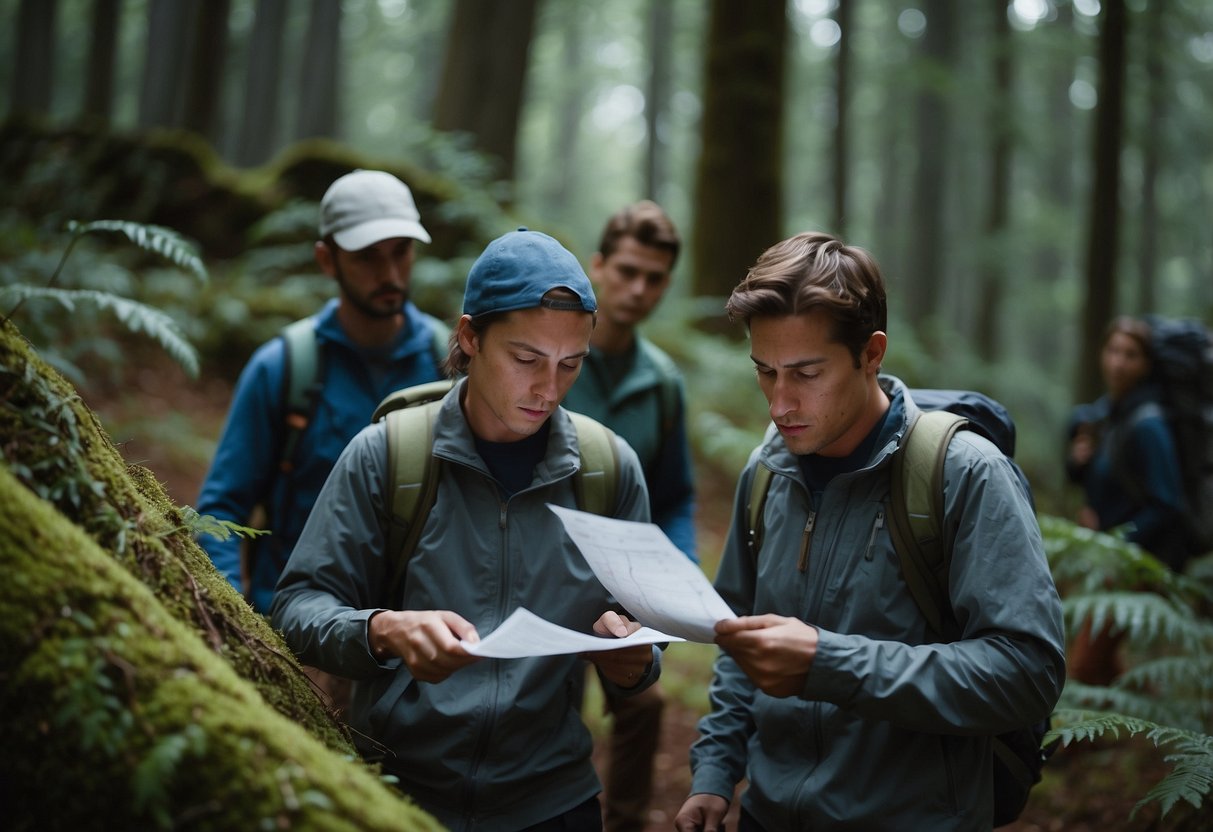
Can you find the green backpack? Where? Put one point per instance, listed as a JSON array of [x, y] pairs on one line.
[[916, 508], [415, 471]]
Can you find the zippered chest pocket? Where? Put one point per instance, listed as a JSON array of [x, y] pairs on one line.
[[862, 555]]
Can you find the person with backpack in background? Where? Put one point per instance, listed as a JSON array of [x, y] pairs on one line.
[[833, 694], [304, 394], [1123, 453], [480, 744], [632, 386]]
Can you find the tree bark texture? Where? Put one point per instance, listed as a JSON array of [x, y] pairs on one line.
[[1158, 92], [1103, 236], [739, 176], [139, 690], [1000, 117], [484, 75]]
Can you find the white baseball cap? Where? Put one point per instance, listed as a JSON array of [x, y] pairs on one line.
[[366, 206]]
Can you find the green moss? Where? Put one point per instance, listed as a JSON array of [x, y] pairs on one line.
[[139, 689], [118, 716]]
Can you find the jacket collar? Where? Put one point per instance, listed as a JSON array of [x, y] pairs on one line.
[[453, 440], [776, 456]]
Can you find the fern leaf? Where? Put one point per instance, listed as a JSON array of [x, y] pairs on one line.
[[1145, 617], [137, 317], [1190, 780], [154, 238], [219, 529], [1166, 710]]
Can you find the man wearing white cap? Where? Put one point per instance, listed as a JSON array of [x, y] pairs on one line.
[[304, 395]]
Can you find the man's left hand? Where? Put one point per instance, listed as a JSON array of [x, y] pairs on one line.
[[774, 651], [626, 666]]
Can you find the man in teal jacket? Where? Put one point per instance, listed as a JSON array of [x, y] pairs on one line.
[[481, 744], [830, 694], [635, 389]]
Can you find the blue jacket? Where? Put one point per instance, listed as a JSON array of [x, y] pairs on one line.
[[1133, 480], [500, 745], [635, 408], [245, 471], [892, 730]]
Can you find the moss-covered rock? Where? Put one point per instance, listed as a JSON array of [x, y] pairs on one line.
[[139, 690]]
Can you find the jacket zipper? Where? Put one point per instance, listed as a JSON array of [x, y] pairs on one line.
[[876, 527], [803, 562]]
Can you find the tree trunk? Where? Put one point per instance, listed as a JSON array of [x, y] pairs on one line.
[[320, 77], [33, 78], [263, 91], [1103, 236], [98, 100], [562, 181], [1151, 149], [205, 91], [739, 176], [169, 23], [124, 651], [843, 15], [933, 140], [661, 32], [1001, 118], [484, 74]]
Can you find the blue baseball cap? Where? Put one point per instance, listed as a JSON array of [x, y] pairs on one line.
[[517, 269]]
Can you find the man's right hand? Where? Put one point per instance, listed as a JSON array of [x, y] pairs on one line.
[[702, 813], [427, 641]]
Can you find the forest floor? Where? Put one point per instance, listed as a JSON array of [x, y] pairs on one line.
[[169, 423]]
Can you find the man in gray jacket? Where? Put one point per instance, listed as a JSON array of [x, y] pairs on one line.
[[481, 744], [830, 694]]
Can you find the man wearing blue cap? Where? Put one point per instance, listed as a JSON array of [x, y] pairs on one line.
[[481, 744]]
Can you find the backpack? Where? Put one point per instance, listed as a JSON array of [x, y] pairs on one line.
[[304, 381], [414, 471], [1183, 368], [668, 372], [915, 525]]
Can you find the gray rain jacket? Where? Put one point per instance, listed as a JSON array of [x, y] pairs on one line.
[[500, 744], [891, 731]]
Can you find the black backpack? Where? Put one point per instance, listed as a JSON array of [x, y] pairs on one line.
[[1183, 369], [916, 519]]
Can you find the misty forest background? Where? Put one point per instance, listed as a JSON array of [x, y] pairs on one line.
[[1023, 171]]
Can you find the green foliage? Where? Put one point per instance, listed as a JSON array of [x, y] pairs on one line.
[[1191, 752], [135, 316], [207, 524], [1167, 694]]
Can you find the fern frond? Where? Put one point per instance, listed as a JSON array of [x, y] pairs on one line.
[[1165, 710], [1145, 617], [154, 238], [208, 524], [1191, 779], [137, 317], [1173, 676]]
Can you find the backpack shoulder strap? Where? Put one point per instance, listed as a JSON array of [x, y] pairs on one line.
[[916, 512], [301, 385], [413, 470], [760, 484], [596, 482], [667, 370]]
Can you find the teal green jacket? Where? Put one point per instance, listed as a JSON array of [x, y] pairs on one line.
[[891, 730], [500, 744], [648, 409]]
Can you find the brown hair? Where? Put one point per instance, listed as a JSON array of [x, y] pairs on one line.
[[814, 270], [647, 224]]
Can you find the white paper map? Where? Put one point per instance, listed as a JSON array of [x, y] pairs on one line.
[[647, 574], [526, 634]]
